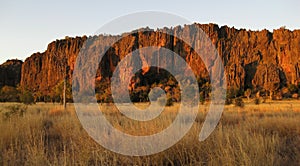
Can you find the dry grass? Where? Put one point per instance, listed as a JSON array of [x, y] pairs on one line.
[[44, 134]]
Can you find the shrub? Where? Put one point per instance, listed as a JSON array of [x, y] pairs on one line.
[[9, 94], [264, 99], [169, 102], [57, 92], [248, 93], [228, 101], [293, 88], [233, 93], [256, 101], [27, 98], [162, 101], [14, 110], [239, 102]]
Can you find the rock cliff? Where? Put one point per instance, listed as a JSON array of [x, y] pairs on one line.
[[252, 59], [10, 73], [42, 71]]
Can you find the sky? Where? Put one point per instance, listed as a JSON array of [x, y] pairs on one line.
[[29, 26]]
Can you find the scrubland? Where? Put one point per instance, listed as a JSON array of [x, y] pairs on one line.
[[45, 134]]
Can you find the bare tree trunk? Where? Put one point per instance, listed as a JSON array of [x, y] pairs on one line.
[[271, 95], [64, 94]]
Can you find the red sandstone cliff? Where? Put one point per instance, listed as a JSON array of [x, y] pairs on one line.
[[252, 59]]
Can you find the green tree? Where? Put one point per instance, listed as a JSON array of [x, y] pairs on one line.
[[103, 91], [293, 88], [27, 97], [38, 97], [57, 92], [9, 94], [206, 89]]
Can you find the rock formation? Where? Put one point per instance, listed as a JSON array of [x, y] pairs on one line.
[[10, 73], [252, 59], [42, 71]]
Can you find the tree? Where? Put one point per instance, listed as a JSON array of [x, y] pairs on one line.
[[38, 97], [283, 27], [271, 79], [271, 87], [103, 91], [176, 94], [248, 93], [232, 93], [9, 94], [57, 92], [154, 94], [293, 88], [206, 89], [27, 97]]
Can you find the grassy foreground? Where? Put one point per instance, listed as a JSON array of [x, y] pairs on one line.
[[43, 134]]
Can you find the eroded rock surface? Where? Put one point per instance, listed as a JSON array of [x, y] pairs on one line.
[[252, 59]]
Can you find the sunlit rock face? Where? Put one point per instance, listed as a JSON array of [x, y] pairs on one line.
[[252, 59]]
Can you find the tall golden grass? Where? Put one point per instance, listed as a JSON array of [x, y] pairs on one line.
[[44, 134]]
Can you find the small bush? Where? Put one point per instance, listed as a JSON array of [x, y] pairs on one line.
[[239, 102], [256, 101], [47, 124], [9, 94], [27, 98], [162, 101], [293, 88], [264, 99], [228, 101], [14, 110], [169, 102]]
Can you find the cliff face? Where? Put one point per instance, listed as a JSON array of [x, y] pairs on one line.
[[252, 59], [10, 73], [42, 71]]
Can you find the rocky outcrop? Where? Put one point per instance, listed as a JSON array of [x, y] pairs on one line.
[[252, 59], [42, 71], [10, 73]]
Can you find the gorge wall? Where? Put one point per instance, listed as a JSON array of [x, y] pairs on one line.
[[252, 59], [10, 73]]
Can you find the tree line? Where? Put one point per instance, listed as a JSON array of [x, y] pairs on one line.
[[140, 90]]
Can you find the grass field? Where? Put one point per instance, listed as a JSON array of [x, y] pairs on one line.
[[43, 134]]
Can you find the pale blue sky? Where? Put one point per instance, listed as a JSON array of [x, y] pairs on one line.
[[28, 26]]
